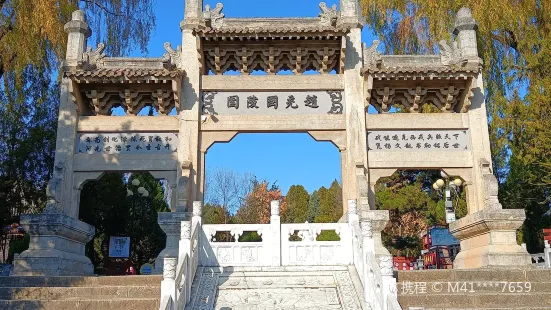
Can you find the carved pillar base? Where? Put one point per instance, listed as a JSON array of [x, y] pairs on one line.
[[170, 223], [56, 248], [378, 219], [488, 239]]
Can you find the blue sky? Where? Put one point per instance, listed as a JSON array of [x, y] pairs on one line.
[[286, 158]]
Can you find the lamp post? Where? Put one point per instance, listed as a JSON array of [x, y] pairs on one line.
[[448, 186]]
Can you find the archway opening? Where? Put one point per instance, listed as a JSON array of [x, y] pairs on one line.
[[421, 204], [123, 208], [244, 175]]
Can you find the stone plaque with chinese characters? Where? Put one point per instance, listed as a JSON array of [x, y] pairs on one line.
[[418, 140], [273, 103], [128, 143]]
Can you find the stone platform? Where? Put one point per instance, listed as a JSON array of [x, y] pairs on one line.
[[275, 288]]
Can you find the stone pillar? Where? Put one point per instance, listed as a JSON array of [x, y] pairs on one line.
[[465, 30], [190, 114], [275, 225], [488, 233], [58, 239], [168, 284], [372, 222], [170, 224], [356, 140]]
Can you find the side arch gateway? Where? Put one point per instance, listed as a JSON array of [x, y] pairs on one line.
[[336, 80]]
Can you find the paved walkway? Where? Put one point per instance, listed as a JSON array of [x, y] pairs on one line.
[[273, 289]]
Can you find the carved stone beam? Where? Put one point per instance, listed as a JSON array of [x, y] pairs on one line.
[[245, 55], [385, 98], [98, 101], [448, 97], [343, 55], [162, 101], [299, 57], [466, 98], [415, 98], [131, 101], [176, 88]]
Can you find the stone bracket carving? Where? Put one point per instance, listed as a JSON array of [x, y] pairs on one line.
[[490, 186], [323, 57], [446, 99], [162, 96]]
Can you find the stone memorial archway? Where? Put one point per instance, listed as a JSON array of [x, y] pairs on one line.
[[213, 107]]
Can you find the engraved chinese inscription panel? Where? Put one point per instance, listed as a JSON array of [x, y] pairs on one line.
[[418, 140], [273, 103], [128, 143]]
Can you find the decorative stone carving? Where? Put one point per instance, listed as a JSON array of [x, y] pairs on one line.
[[183, 184], [367, 229], [336, 100], [385, 263], [174, 56], [169, 267], [450, 54], [328, 15], [445, 99], [273, 58], [274, 208], [491, 186], [132, 100], [53, 190], [185, 231], [92, 58], [197, 209], [236, 233], [352, 207], [372, 57], [208, 106], [214, 17]]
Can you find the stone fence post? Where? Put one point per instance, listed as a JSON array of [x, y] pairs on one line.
[[275, 230], [168, 284]]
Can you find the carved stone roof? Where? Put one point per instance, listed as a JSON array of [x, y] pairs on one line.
[[448, 65], [123, 75], [272, 28]]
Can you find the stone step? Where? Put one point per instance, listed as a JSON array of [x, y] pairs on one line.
[[477, 301], [87, 304], [80, 281], [59, 293], [510, 275]]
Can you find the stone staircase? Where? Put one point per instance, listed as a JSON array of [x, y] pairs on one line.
[[76, 293], [475, 289], [282, 288]]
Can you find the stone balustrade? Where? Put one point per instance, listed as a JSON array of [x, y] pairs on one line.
[[276, 244]]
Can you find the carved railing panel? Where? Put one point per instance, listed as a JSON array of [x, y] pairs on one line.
[[235, 253], [309, 251]]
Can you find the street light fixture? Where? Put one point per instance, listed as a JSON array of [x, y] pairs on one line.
[[448, 187]]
